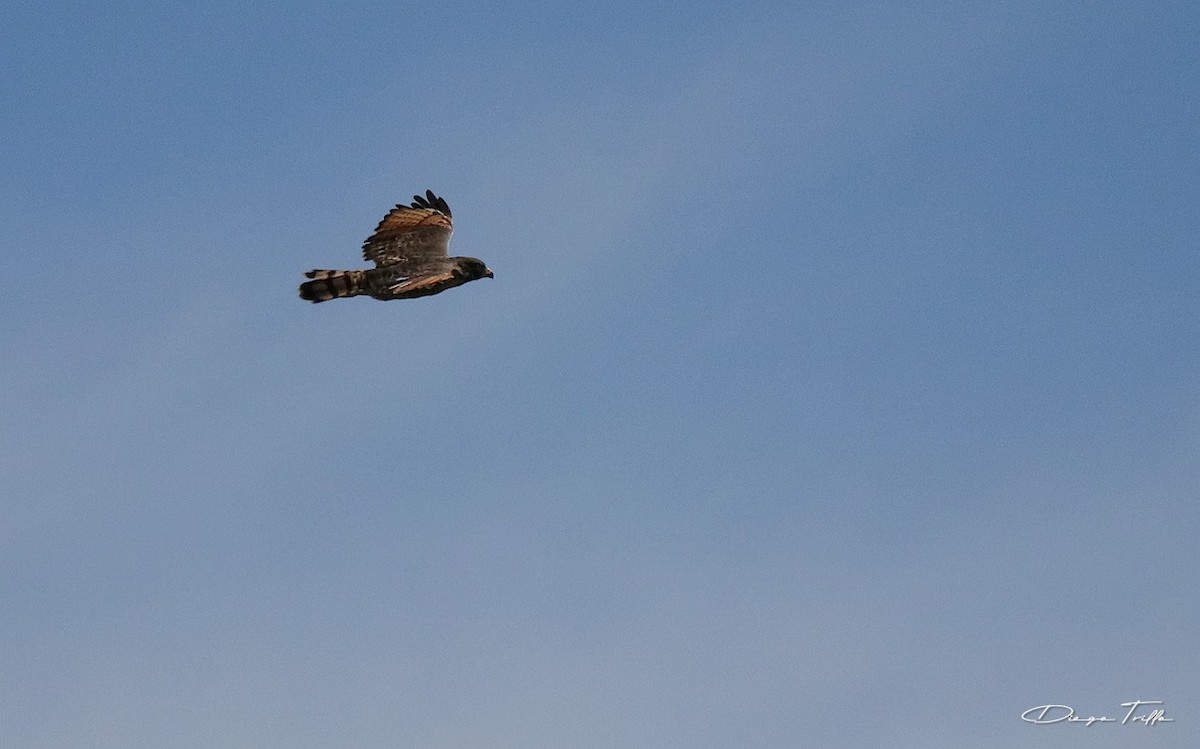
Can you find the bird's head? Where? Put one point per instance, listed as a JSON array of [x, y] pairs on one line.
[[473, 268]]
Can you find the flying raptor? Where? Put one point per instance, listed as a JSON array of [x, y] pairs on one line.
[[410, 249]]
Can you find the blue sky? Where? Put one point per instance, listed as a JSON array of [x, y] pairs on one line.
[[837, 385]]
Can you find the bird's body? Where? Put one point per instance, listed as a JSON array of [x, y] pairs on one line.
[[410, 249]]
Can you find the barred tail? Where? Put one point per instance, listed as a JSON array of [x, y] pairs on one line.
[[332, 284]]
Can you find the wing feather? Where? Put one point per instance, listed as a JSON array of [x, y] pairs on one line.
[[425, 285], [412, 235], [432, 201]]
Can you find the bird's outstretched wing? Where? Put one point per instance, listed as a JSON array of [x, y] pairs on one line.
[[412, 235], [424, 285]]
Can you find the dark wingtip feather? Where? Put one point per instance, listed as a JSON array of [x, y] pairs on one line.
[[432, 202]]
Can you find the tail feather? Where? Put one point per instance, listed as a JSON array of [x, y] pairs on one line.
[[331, 284]]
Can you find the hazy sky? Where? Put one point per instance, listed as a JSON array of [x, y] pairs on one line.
[[838, 385]]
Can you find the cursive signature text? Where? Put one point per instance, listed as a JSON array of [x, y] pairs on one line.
[[1045, 714]]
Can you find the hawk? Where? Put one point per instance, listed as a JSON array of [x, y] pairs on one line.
[[410, 251]]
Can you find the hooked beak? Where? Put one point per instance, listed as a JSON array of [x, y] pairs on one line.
[[488, 272]]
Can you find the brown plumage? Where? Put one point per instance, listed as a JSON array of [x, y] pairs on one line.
[[410, 249]]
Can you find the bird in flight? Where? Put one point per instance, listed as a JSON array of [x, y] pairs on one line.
[[410, 249]]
